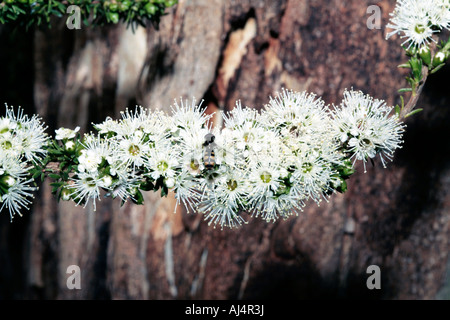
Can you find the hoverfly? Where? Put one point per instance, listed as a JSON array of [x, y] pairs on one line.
[[209, 159], [210, 152]]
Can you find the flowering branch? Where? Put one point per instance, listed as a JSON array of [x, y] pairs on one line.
[[420, 22], [267, 164]]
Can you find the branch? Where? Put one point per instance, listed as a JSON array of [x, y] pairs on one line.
[[416, 92], [415, 95]]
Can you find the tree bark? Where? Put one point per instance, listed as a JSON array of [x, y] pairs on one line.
[[222, 51]]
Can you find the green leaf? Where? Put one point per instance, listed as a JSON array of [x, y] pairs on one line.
[[65, 176], [404, 65], [343, 187], [346, 171], [413, 112], [138, 198], [56, 184], [402, 90], [147, 185], [54, 176], [164, 191], [36, 174], [437, 68], [416, 66]]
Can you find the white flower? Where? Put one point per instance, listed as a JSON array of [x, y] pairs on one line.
[[141, 119], [189, 149], [189, 116], [11, 144], [86, 187], [6, 125], [65, 133], [96, 150], [223, 204], [186, 191], [439, 13], [124, 183], [15, 185], [365, 127], [264, 181], [312, 177], [239, 115], [162, 163], [133, 150], [109, 125], [23, 135], [89, 161], [301, 112], [414, 20]]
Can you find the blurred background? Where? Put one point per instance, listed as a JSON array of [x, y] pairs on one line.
[[221, 51]]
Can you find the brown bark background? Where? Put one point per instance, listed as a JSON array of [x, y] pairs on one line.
[[222, 51]]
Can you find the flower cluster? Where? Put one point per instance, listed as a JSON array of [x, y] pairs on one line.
[[365, 128], [266, 164], [22, 144], [418, 20]]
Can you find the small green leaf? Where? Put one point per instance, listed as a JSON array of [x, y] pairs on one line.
[[147, 185], [56, 184], [62, 165], [138, 198], [164, 191], [416, 66], [437, 68], [65, 175], [413, 112], [347, 171], [404, 65], [54, 176], [342, 187]]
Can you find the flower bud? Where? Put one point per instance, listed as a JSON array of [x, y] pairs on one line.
[[425, 54], [107, 181], [70, 146], [169, 182], [440, 58], [65, 194], [7, 181]]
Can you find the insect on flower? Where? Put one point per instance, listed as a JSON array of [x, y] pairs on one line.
[[208, 154]]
